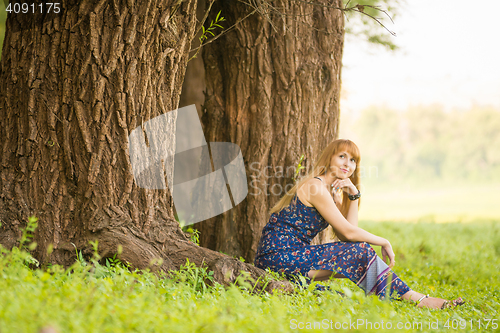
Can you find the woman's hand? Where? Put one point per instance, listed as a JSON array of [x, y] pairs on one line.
[[388, 253], [337, 197], [346, 185]]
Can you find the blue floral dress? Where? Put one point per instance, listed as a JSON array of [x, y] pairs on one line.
[[285, 247]]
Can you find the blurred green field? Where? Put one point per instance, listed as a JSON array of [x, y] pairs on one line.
[[437, 203], [447, 260]]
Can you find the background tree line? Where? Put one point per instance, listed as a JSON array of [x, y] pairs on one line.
[[427, 143]]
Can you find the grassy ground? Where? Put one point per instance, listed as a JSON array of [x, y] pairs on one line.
[[447, 260]]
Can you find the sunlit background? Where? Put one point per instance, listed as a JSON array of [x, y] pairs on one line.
[[427, 117]]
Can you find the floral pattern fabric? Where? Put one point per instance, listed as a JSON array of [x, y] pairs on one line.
[[285, 247]]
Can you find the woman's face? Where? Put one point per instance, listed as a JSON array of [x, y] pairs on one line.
[[342, 165]]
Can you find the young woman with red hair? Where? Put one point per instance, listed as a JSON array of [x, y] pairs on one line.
[[329, 195]]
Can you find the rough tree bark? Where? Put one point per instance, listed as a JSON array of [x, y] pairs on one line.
[[273, 86], [72, 88]]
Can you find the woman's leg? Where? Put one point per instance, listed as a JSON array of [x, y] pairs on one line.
[[319, 275], [322, 275], [427, 302], [361, 264]]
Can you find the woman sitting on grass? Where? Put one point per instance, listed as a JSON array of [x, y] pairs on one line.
[[308, 208]]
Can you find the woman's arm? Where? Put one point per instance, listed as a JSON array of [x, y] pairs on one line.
[[352, 213], [319, 197], [345, 185]]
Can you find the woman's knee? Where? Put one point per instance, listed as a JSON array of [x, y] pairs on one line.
[[359, 249], [366, 248]]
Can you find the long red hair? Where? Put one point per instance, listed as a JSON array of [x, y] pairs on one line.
[[320, 168]]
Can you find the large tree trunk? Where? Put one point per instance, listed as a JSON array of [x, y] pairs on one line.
[[72, 88], [273, 86]]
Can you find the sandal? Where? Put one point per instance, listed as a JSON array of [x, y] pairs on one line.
[[447, 304], [452, 304]]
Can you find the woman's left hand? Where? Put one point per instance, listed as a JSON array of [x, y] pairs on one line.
[[388, 253], [346, 185]]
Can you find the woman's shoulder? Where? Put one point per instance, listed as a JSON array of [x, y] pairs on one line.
[[310, 186]]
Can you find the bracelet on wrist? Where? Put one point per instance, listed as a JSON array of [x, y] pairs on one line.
[[354, 196]]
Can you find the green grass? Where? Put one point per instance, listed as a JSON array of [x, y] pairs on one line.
[[447, 260]]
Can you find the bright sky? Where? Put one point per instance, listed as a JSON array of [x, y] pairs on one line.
[[450, 54]]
